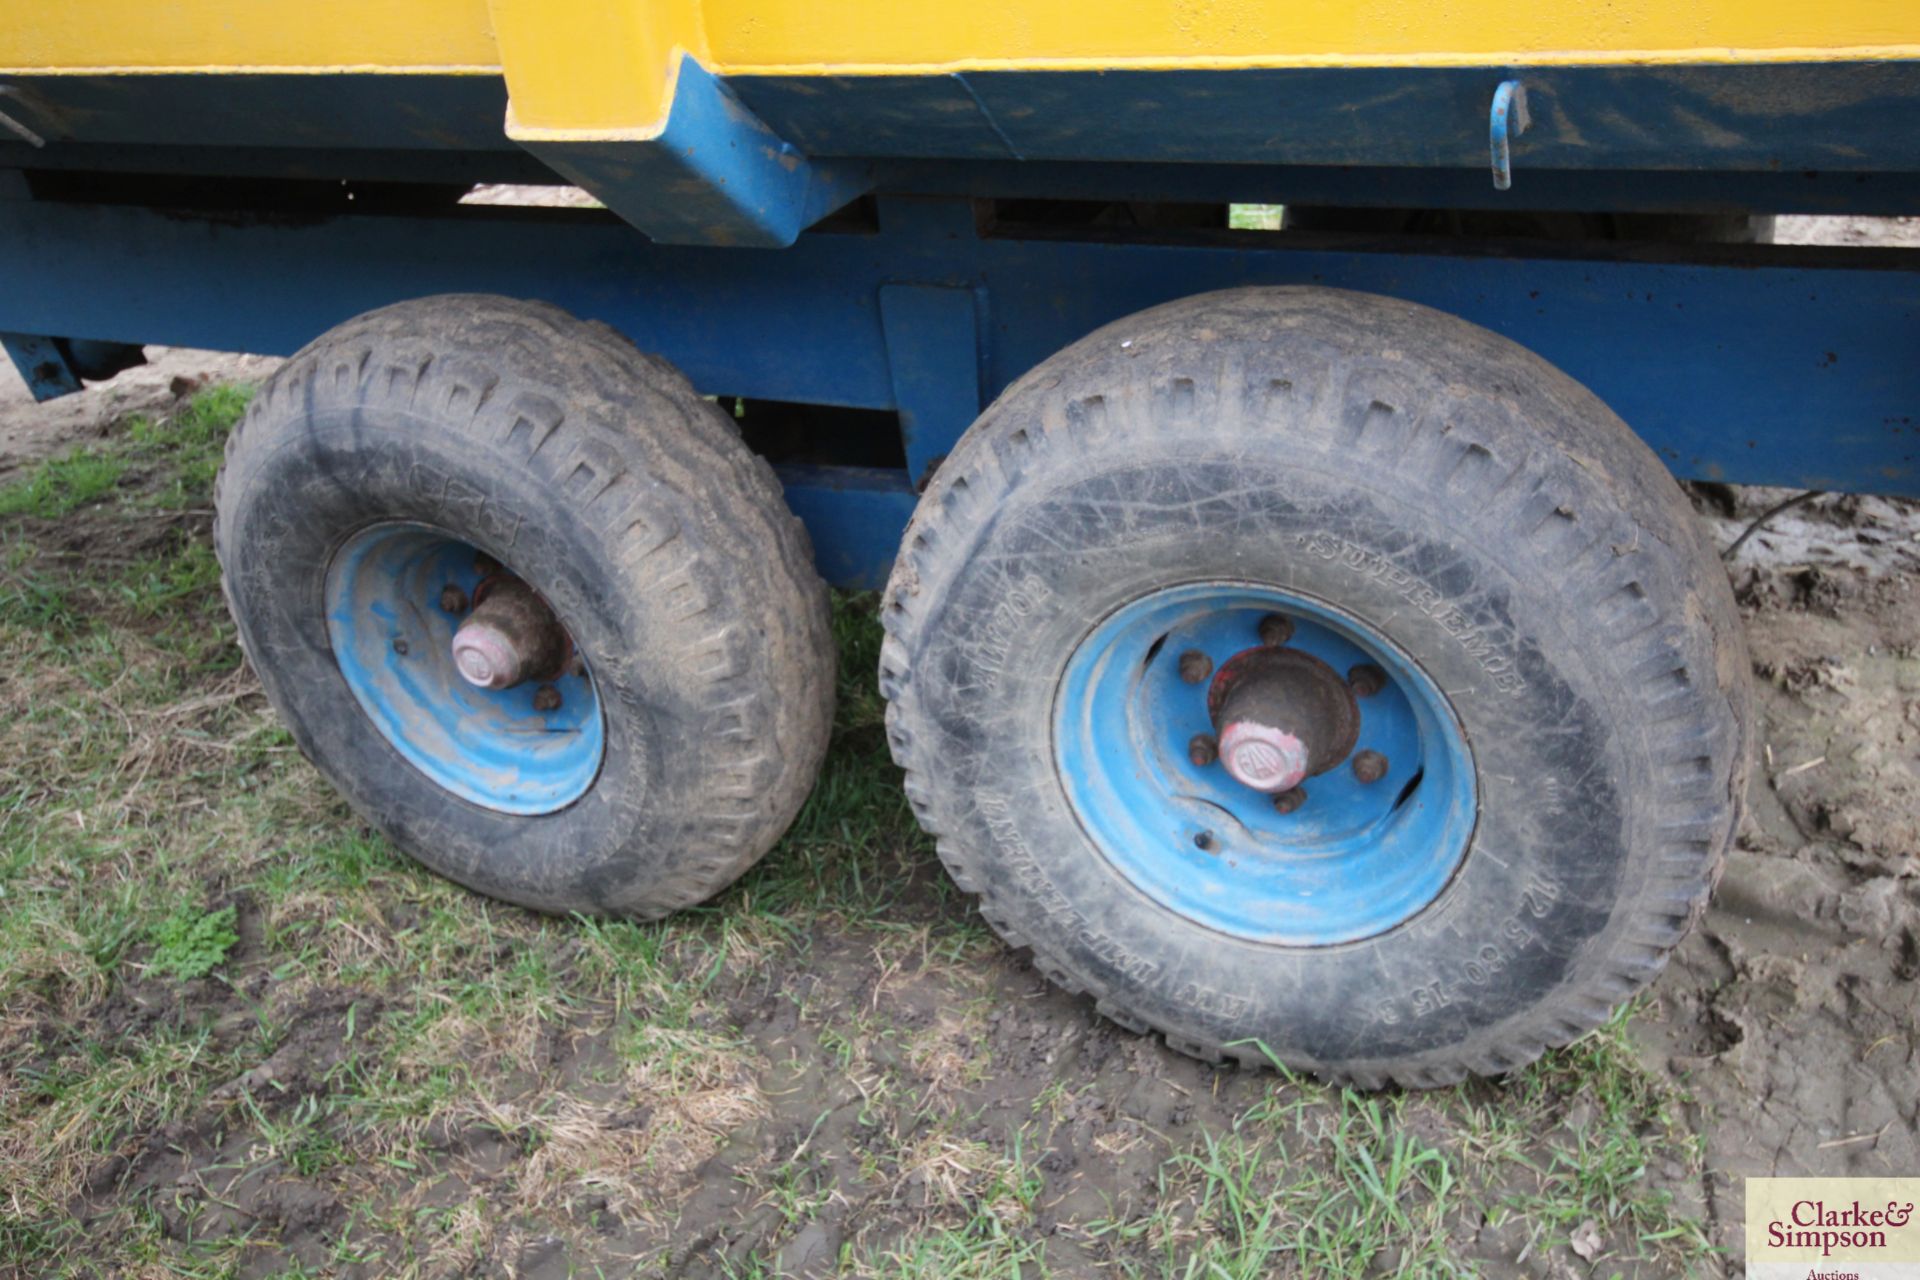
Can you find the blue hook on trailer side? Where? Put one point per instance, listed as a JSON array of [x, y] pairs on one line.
[[1508, 120]]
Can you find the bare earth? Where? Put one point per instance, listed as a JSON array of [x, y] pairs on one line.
[[29, 432], [1787, 1017], [1790, 1012]]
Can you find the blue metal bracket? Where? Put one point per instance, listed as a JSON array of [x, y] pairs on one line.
[[933, 358], [853, 516], [714, 175], [1508, 119], [42, 365], [55, 367]]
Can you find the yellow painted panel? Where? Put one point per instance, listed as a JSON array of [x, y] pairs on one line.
[[232, 35], [601, 68], [591, 65], [795, 35], [606, 67]]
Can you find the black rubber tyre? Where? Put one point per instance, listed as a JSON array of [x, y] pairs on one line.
[[598, 475], [1463, 497]]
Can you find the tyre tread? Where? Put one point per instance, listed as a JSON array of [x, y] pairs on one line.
[[595, 378], [975, 480]]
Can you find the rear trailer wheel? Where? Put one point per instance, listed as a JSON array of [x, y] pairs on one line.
[[1313, 675], [529, 603]]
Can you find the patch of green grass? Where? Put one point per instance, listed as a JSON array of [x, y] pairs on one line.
[[982, 1248], [1370, 1199], [1312, 1180], [1616, 1122], [128, 772], [1256, 217], [62, 485], [982, 1231], [35, 602], [303, 1139], [186, 445], [108, 534], [191, 441], [153, 585], [191, 944]]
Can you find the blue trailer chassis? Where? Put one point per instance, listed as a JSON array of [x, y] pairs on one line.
[[1762, 364]]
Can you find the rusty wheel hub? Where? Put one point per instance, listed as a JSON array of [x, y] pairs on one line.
[[1282, 716], [510, 636]]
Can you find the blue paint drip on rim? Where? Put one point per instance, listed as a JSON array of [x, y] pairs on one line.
[[1354, 861], [392, 642]]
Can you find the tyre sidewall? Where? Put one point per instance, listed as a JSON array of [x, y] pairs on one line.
[[1509, 571], [328, 473]]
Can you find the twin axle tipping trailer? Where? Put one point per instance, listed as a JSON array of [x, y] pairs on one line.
[[1295, 637]]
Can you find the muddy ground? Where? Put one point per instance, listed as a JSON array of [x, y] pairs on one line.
[[835, 1069], [30, 432]]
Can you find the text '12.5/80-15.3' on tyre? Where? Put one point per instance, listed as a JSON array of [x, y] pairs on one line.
[[1314, 675], [529, 602]]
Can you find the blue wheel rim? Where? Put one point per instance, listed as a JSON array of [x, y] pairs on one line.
[[393, 643], [1355, 860]]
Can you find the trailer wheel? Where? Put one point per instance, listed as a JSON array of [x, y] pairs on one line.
[[1313, 675], [529, 603]]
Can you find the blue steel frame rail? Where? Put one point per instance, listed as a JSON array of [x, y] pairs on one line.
[[1760, 364]]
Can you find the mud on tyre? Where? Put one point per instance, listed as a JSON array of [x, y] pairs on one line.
[[417, 461], [1403, 491]]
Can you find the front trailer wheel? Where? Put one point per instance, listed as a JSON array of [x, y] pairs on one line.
[[529, 602], [1315, 676]]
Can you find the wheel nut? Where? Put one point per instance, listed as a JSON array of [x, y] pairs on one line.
[[453, 599], [1288, 801], [1203, 750], [546, 698], [1195, 666], [1369, 766], [1366, 680], [1276, 629]]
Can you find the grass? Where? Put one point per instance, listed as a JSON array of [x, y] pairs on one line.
[[63, 485], [240, 1034], [1256, 217], [1386, 1198], [188, 944]]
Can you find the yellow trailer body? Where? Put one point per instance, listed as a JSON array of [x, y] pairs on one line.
[[599, 67]]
